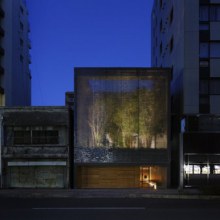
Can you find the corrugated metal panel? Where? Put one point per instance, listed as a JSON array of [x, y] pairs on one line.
[[36, 177]]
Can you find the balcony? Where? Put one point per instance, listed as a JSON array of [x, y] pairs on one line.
[[2, 91], [2, 13], [2, 32], [29, 43], [2, 70], [29, 73], [2, 51], [29, 58], [29, 29]]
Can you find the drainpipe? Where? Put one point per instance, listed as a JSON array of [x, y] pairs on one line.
[[1, 136]]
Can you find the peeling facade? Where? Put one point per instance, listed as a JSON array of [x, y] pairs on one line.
[[35, 147]]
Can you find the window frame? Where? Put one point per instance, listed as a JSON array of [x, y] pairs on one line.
[[45, 137]]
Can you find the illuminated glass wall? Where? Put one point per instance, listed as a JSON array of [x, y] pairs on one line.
[[120, 109]]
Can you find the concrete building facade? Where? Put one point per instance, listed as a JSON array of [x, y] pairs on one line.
[[186, 38], [35, 147], [15, 76]]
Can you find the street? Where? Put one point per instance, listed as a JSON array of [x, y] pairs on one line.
[[106, 209]]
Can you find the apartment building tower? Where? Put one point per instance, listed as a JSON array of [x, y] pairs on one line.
[[15, 76], [186, 37]]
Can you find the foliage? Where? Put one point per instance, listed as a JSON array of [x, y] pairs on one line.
[[128, 119]]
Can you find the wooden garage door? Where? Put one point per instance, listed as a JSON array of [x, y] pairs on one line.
[[108, 177]]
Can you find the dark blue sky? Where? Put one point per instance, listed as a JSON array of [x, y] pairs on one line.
[[84, 33]]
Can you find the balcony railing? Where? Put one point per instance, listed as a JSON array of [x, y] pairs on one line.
[[29, 58], [2, 51], [29, 43], [2, 13], [28, 25], [2, 91], [2, 32], [2, 70]]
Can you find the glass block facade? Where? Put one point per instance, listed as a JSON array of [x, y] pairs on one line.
[[121, 113]]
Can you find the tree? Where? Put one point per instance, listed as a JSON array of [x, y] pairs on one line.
[[97, 119], [159, 109], [146, 111]]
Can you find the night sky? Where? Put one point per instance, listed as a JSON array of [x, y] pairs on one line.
[[84, 33]]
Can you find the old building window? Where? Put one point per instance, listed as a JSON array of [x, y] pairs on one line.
[[22, 137], [35, 137], [44, 137]]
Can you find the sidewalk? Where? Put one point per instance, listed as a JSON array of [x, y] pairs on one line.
[[104, 193]]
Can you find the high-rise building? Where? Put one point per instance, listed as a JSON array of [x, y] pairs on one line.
[[15, 77], [186, 37]]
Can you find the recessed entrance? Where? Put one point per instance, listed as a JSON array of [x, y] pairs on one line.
[[152, 177]]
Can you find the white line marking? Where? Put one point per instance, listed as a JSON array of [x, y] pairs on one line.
[[91, 208]]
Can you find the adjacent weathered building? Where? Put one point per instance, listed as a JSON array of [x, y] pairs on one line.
[[35, 147]]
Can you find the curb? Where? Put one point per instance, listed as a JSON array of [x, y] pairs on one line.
[[88, 194]]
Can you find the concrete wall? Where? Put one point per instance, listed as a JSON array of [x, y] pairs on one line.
[[191, 54], [184, 29]]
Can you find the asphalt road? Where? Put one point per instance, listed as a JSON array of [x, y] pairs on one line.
[[106, 209]]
